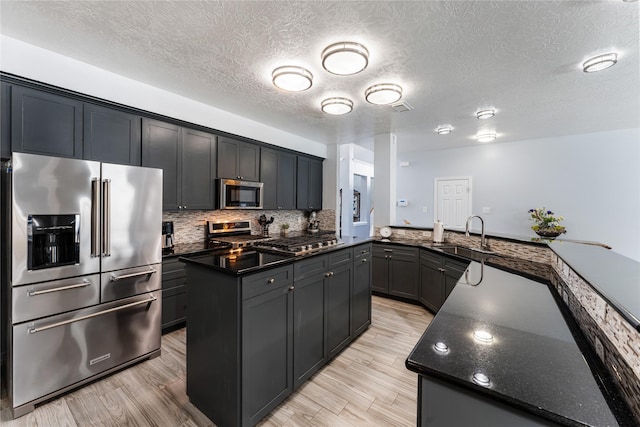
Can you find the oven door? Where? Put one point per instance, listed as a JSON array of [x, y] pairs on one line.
[[236, 194]]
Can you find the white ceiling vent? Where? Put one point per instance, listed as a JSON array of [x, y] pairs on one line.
[[401, 107]]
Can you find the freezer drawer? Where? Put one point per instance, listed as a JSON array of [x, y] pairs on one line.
[[130, 281], [56, 352], [58, 296]]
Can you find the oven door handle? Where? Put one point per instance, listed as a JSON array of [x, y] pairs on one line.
[[95, 217], [115, 277], [34, 330], [84, 284]]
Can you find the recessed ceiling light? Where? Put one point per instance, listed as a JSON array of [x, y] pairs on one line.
[[444, 130], [337, 106], [600, 62], [345, 58], [292, 78], [383, 93], [486, 114], [486, 137]]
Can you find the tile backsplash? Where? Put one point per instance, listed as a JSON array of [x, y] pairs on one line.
[[190, 226]]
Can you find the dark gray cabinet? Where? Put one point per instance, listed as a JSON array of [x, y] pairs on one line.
[[174, 293], [187, 158], [5, 120], [278, 173], [45, 123], [438, 276], [396, 271], [111, 136], [238, 160], [338, 289], [309, 183], [361, 295]]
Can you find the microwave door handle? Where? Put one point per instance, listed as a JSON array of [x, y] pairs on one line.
[[106, 221], [95, 217]]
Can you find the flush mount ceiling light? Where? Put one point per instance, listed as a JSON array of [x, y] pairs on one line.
[[383, 93], [600, 62], [485, 114], [337, 106], [292, 78], [486, 137], [345, 58], [444, 130]]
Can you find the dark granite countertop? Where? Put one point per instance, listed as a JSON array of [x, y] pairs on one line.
[[615, 277], [249, 260], [186, 249], [533, 362]]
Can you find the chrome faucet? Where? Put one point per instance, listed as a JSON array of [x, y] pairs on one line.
[[482, 243]]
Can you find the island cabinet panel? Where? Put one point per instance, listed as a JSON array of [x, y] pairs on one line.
[[278, 173], [267, 352], [361, 295], [396, 271], [238, 160], [111, 136], [309, 183], [44, 123]]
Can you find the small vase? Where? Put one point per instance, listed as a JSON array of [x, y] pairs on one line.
[[549, 233]]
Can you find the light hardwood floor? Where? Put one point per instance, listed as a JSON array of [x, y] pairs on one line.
[[366, 384]]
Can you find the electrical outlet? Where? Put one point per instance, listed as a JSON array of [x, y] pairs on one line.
[[400, 232], [599, 349], [426, 234], [425, 209], [601, 308]]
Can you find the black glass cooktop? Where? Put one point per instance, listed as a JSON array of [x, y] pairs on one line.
[[239, 260]]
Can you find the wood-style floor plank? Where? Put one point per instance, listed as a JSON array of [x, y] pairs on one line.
[[366, 384]]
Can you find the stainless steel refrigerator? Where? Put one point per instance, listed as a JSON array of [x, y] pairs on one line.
[[84, 276]]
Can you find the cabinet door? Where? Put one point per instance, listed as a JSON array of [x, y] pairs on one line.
[[453, 271], [248, 161], [380, 272], [227, 158], [5, 120], [43, 123], [267, 352], [361, 296], [286, 181], [338, 297], [431, 286], [198, 170], [403, 273], [269, 177], [309, 345], [111, 136], [315, 184], [161, 144], [309, 183]]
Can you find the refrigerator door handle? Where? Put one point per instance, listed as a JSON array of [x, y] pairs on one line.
[[106, 221], [95, 217], [34, 330], [115, 277]]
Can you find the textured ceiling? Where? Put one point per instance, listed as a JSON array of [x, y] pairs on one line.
[[451, 57]]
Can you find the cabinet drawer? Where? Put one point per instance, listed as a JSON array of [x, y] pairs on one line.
[[172, 264], [339, 258], [310, 267], [173, 275], [362, 251], [430, 258], [174, 308], [259, 283]]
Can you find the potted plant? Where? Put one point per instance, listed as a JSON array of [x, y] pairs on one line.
[[546, 224], [285, 229]]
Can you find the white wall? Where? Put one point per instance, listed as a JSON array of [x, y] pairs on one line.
[[593, 180], [35, 63]]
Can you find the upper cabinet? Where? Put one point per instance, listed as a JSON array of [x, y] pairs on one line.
[[5, 123], [187, 158], [309, 191], [238, 160], [111, 135], [278, 173], [44, 123]]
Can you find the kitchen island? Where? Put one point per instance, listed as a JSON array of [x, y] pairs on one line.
[[260, 325], [500, 353]]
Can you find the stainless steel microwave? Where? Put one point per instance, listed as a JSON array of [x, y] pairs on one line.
[[236, 194]]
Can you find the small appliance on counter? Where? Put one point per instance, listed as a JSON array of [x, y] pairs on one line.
[[314, 224], [167, 235], [438, 232]]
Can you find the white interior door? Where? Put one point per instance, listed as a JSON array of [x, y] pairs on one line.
[[453, 201]]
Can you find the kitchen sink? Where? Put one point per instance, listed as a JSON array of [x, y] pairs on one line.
[[469, 253]]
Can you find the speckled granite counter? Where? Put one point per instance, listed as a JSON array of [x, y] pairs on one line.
[[187, 248], [533, 362]]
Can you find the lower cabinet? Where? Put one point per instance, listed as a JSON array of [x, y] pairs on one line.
[[174, 293], [253, 339], [438, 276], [395, 271]]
